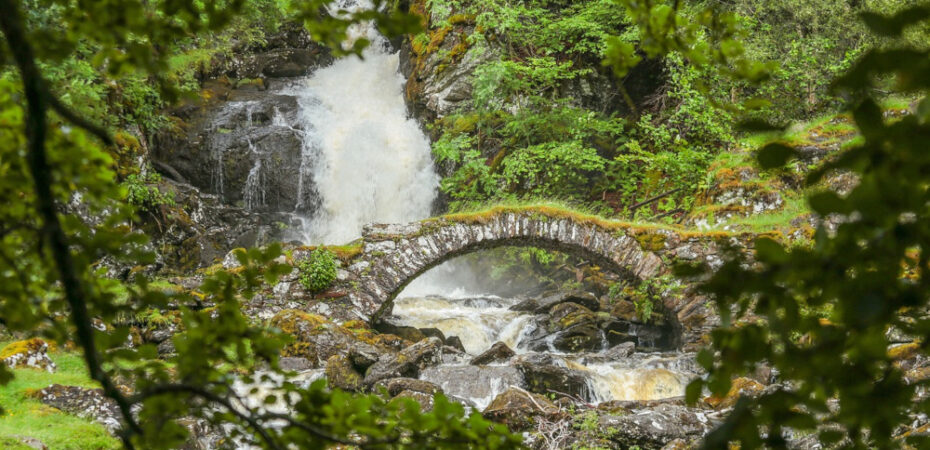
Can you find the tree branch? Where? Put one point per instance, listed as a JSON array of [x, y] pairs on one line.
[[77, 120], [37, 102], [166, 389]]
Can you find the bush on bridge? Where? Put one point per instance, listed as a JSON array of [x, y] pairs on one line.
[[318, 271]]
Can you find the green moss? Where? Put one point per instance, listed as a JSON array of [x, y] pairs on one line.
[[650, 241], [26, 416]]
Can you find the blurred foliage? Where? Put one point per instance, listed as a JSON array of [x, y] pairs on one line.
[[64, 219], [821, 315]]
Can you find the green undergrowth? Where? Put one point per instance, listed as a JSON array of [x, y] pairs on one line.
[[26, 416]]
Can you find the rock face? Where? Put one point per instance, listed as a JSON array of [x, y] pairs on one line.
[[89, 404], [247, 149], [32, 353], [243, 140]]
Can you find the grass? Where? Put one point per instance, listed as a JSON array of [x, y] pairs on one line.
[[26, 416]]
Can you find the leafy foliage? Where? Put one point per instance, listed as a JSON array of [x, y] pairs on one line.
[[533, 131], [318, 271], [821, 314], [143, 191], [51, 281]]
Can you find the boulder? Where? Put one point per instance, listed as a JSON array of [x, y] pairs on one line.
[[341, 374], [578, 338], [32, 353], [519, 409], [565, 315], [395, 386], [407, 363], [408, 333], [654, 427], [317, 339], [423, 400], [586, 299], [479, 384], [498, 352], [456, 343], [528, 305], [544, 375], [89, 404], [619, 351]]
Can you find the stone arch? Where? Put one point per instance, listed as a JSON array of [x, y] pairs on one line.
[[394, 255]]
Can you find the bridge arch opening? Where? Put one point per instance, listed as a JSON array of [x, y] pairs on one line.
[[531, 298]]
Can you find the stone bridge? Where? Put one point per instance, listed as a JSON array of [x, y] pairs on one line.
[[394, 255]]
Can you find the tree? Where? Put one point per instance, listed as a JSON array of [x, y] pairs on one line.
[[820, 314], [50, 282]]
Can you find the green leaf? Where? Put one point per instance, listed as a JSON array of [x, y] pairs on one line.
[[770, 251], [825, 203], [775, 155]]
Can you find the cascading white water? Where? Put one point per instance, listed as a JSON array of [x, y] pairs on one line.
[[369, 161]]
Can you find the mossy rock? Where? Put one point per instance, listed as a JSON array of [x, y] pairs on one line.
[[315, 337], [569, 314], [30, 353], [341, 374]]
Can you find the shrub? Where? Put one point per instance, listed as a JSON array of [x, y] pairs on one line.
[[318, 271], [142, 191]]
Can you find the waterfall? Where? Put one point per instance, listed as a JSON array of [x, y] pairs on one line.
[[368, 161]]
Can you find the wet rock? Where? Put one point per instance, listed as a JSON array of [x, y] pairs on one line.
[[624, 310], [408, 333], [158, 335], [569, 314], [395, 386], [653, 428], [31, 353], [478, 384], [407, 363], [425, 401], [528, 305], [433, 332], [586, 299], [543, 375], [456, 343], [89, 404], [578, 338], [519, 409], [341, 374], [618, 351], [498, 352]]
